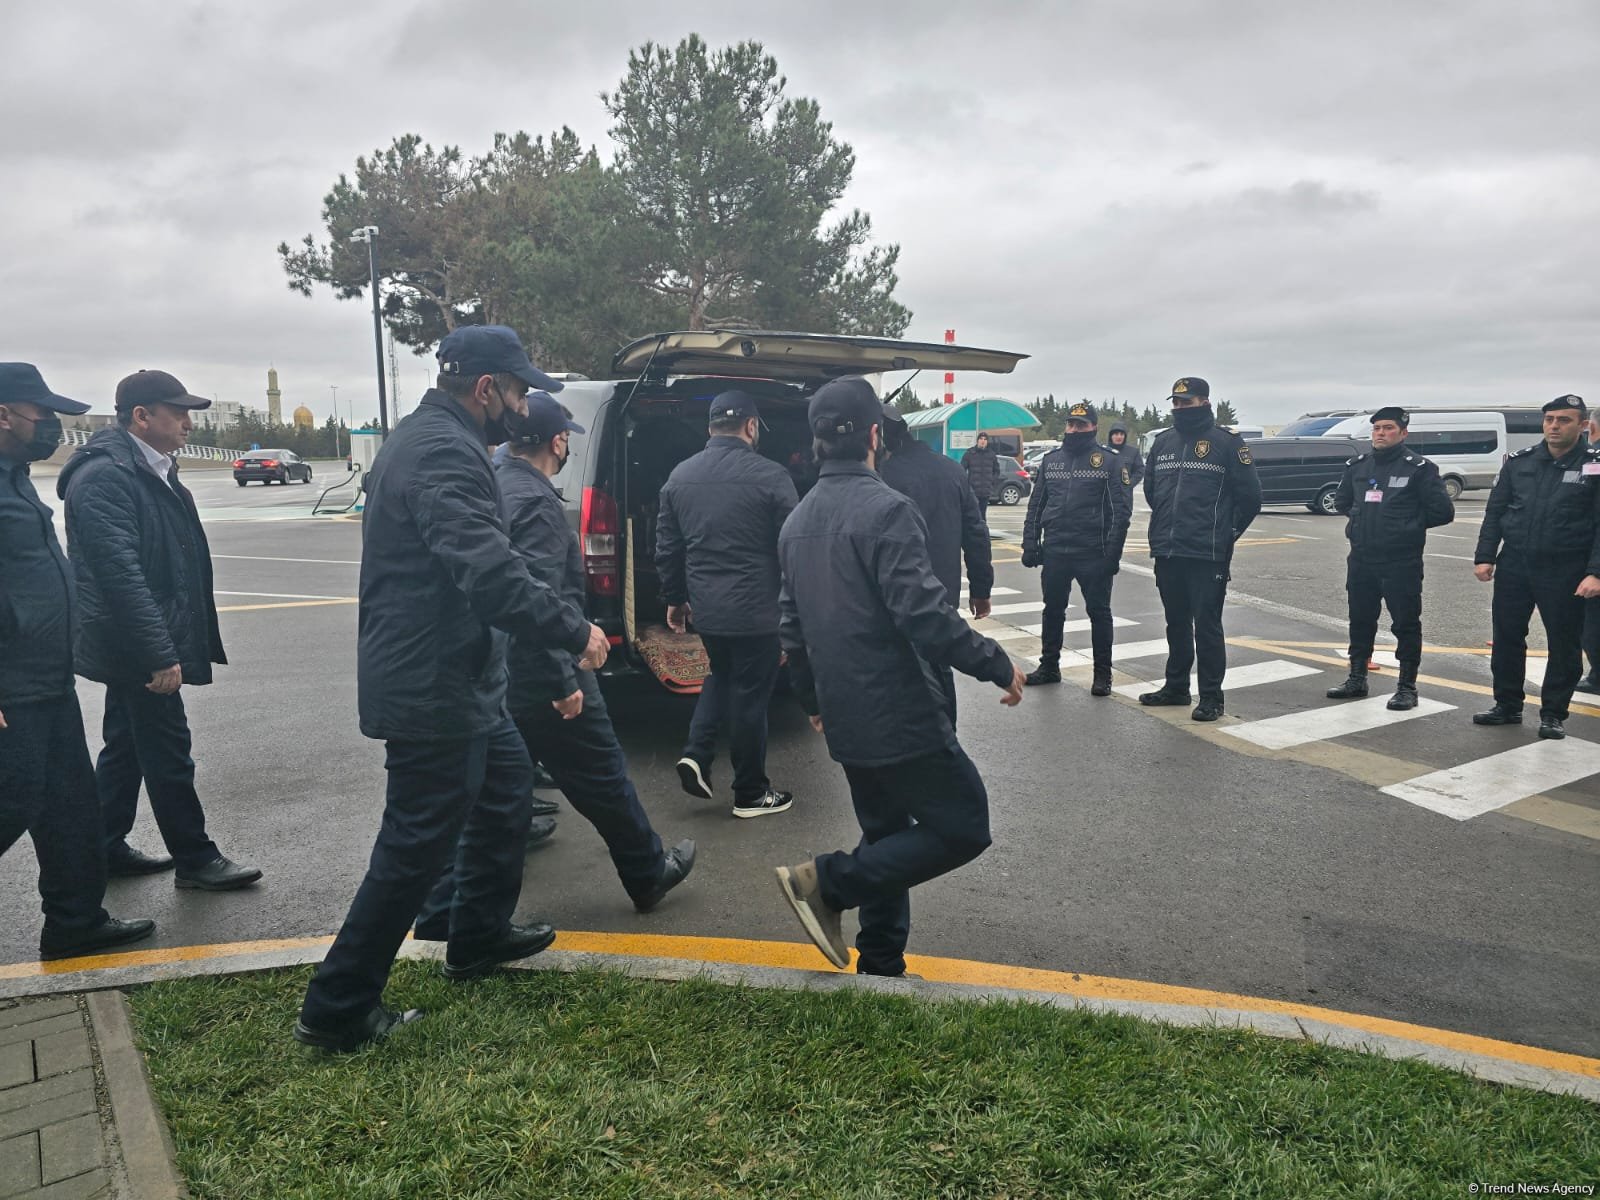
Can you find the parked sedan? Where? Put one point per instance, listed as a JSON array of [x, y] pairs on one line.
[[270, 466]]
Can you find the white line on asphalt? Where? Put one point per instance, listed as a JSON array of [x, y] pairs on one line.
[[1320, 724], [1079, 626], [1121, 652], [999, 591], [1486, 784], [285, 596], [1009, 635], [340, 562], [1457, 557], [1252, 675], [1006, 610]]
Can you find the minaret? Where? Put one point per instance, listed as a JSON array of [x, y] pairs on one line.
[[274, 398]]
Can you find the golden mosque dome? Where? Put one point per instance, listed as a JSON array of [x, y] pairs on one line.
[[303, 417]]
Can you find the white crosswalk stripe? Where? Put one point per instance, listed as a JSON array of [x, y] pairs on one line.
[[1121, 652], [999, 591], [1319, 724], [1485, 784], [1274, 670], [1079, 626], [1011, 610]]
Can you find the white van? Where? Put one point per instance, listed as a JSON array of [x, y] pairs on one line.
[[1469, 448]]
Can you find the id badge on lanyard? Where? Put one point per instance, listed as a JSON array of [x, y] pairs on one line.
[[1374, 492]]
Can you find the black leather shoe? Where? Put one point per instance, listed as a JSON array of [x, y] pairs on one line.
[[1551, 728], [520, 941], [540, 831], [675, 868], [541, 807], [1589, 687], [110, 932], [219, 875], [1403, 700], [1043, 673], [1101, 685], [1209, 709], [1353, 688], [374, 1027], [126, 862], [541, 777], [1165, 698], [1500, 714]]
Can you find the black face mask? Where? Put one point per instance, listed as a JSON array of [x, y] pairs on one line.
[[1078, 441], [46, 437], [1192, 420], [510, 426]]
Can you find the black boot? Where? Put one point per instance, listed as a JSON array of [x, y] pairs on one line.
[[1405, 691], [1048, 671], [1102, 682], [1354, 688]]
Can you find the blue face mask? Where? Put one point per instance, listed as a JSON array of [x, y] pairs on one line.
[[1192, 420]]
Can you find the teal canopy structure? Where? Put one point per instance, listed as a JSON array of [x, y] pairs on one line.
[[953, 428]]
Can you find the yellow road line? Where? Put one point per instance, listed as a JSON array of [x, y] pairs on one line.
[[1482, 651], [802, 957], [288, 604]]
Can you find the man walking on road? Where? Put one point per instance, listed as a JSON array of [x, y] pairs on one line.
[[936, 484], [1076, 525], [863, 619], [1392, 498], [1203, 493], [441, 587], [717, 554], [982, 466], [148, 625], [46, 779], [1540, 545]]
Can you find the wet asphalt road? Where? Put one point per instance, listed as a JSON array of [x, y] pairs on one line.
[[1127, 842]]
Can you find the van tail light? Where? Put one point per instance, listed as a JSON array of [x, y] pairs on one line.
[[598, 526]]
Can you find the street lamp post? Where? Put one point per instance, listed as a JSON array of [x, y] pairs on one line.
[[369, 234], [334, 388]]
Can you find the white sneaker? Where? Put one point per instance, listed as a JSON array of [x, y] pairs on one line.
[[804, 894]]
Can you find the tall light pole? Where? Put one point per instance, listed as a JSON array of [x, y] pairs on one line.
[[334, 388], [369, 234]]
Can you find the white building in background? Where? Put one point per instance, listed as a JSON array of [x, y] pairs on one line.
[[225, 414]]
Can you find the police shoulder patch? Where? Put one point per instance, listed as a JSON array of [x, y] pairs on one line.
[[1244, 456]]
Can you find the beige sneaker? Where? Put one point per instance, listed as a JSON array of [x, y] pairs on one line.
[[804, 894]]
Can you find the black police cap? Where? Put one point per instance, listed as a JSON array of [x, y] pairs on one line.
[[1567, 401], [1190, 387], [1393, 413]]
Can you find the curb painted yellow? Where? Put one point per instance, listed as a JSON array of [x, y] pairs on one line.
[[155, 958], [287, 604]]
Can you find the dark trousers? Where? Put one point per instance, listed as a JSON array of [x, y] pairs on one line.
[[1591, 637], [47, 791], [1368, 585], [983, 508], [147, 741], [1094, 579], [1192, 592], [467, 798], [1519, 588], [919, 819], [737, 694]]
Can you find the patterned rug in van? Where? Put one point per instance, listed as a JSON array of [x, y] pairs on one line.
[[678, 660]]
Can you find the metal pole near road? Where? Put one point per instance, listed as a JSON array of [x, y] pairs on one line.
[[369, 234], [334, 388]]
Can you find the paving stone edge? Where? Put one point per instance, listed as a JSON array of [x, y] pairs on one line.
[[148, 1160]]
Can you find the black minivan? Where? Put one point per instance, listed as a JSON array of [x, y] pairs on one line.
[[642, 425], [1303, 470]]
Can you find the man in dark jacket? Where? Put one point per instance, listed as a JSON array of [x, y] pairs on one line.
[[149, 625], [1590, 683], [1076, 525], [557, 704], [1392, 498], [441, 587], [1540, 544], [1117, 442], [982, 466], [46, 779], [717, 555], [1203, 493], [864, 622], [938, 487]]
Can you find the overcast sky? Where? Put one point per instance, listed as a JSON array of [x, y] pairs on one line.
[[1310, 205]]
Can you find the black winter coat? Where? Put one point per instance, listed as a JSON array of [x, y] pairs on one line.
[[536, 521], [37, 599], [1081, 505], [1203, 493], [142, 565], [983, 471], [441, 586], [717, 537], [1412, 501], [1545, 509], [866, 621], [1128, 452], [939, 488]]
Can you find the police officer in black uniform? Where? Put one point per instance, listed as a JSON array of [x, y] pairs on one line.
[[47, 787], [441, 587], [1201, 485], [1590, 683], [938, 486], [864, 619], [1540, 544], [1076, 525], [1392, 498]]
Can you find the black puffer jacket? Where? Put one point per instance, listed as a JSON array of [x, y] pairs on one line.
[[717, 537], [938, 487], [982, 466], [37, 600], [865, 621], [537, 523], [1412, 501], [1128, 452], [441, 586], [1203, 493], [1081, 505], [142, 565], [1545, 509]]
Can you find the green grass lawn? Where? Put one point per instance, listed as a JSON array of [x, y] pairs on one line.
[[544, 1084]]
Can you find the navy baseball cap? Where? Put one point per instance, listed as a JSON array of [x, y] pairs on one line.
[[1083, 411], [1567, 401], [21, 383], [1190, 387], [473, 350], [891, 416], [847, 405], [734, 405], [144, 388], [547, 419]]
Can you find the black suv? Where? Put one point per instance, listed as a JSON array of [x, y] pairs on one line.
[[1303, 470], [642, 426]]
